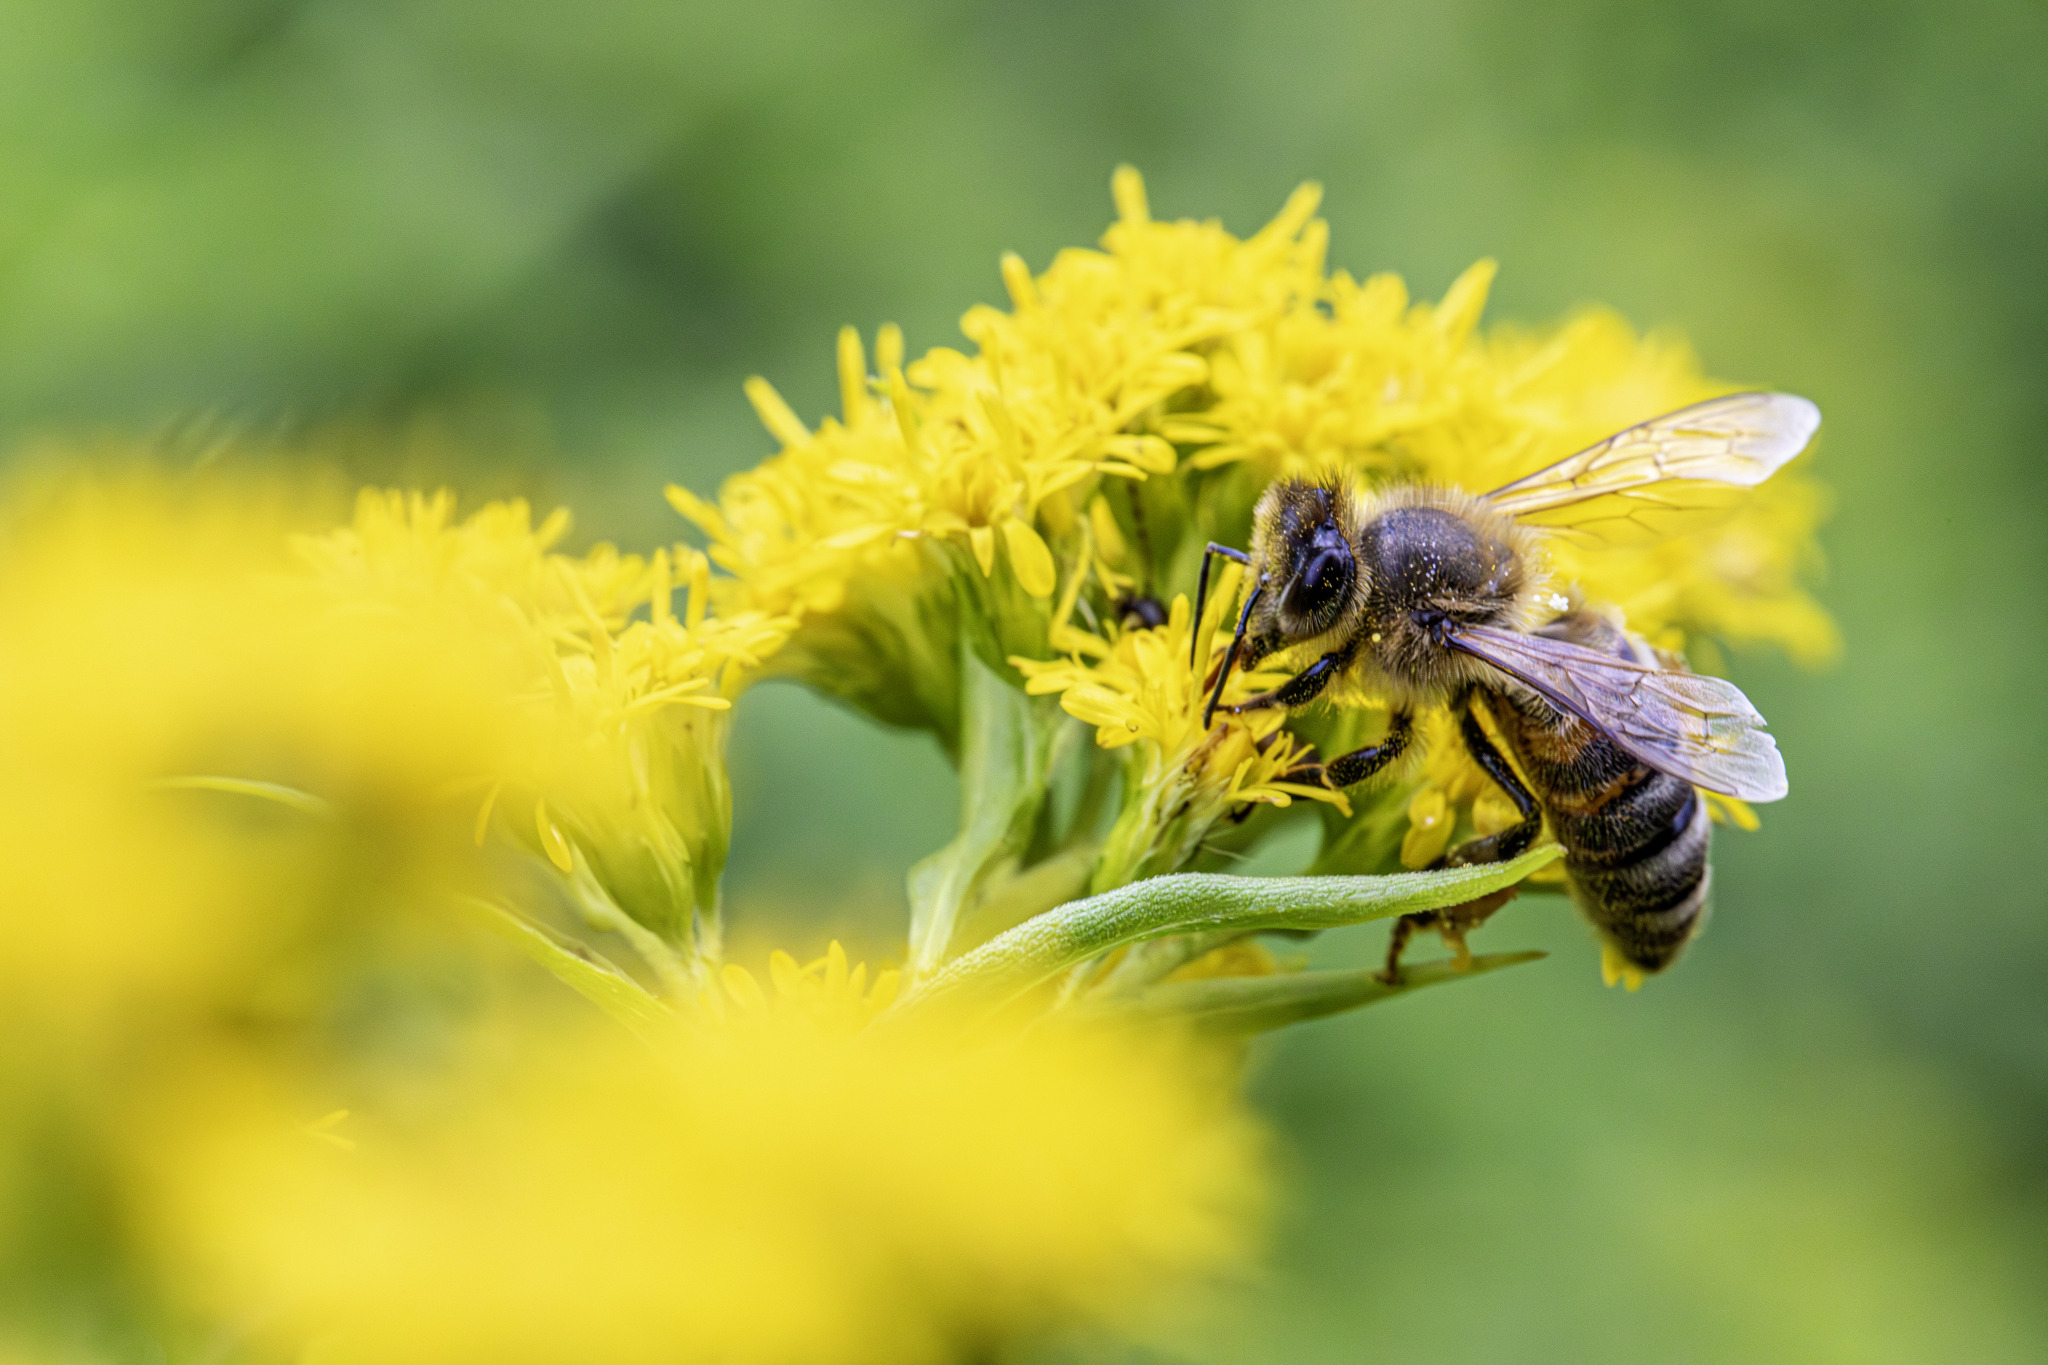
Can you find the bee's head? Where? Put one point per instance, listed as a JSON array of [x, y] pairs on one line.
[[1305, 558]]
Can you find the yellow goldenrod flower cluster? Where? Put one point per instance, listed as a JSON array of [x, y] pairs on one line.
[[983, 450], [1160, 383], [936, 466]]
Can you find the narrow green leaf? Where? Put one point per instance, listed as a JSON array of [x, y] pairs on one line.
[[583, 971], [1048, 944], [1242, 1005]]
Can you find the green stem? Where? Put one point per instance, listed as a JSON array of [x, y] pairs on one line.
[[1005, 742]]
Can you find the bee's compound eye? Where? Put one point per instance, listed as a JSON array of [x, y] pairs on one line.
[[1327, 571], [1315, 596]]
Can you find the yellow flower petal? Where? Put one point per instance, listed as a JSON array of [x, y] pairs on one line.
[[1030, 558], [775, 414], [1017, 280], [483, 814], [783, 971], [1127, 187], [1465, 300], [1731, 811], [1148, 453], [1109, 537], [853, 377], [1616, 969], [1429, 827], [741, 986]]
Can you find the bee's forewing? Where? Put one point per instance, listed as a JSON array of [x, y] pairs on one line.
[[1740, 439], [1698, 728]]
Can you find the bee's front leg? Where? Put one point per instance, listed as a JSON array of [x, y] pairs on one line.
[[1301, 689], [1348, 769]]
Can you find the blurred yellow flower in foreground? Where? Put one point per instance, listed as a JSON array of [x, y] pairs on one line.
[[217, 772], [628, 795], [396, 683], [308, 1099], [825, 991], [768, 1191]]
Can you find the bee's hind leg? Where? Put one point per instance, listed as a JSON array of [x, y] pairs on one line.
[[1513, 841], [1397, 942], [1451, 923]]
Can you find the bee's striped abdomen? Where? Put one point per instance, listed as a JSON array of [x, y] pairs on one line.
[[1635, 839], [1638, 866]]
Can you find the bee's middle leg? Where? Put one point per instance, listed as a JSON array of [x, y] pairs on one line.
[[1397, 942], [1348, 769]]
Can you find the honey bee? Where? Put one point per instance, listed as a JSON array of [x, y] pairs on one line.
[[1428, 596]]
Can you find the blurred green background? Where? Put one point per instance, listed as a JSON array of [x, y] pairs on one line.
[[541, 245]]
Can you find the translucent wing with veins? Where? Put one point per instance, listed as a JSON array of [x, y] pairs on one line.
[[1697, 728], [1739, 439]]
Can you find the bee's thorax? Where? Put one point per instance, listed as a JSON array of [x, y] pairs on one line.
[[1434, 562], [1426, 559]]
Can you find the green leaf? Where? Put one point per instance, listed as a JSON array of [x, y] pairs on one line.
[[1242, 1005], [1005, 750], [1048, 944], [583, 971]]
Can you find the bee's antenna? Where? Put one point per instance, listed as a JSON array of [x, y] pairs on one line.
[[1202, 592], [1229, 659]]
